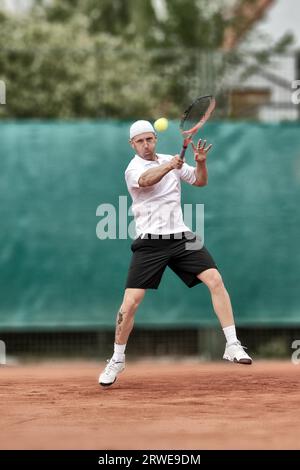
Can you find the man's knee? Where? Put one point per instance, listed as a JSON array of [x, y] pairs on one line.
[[212, 278], [132, 298]]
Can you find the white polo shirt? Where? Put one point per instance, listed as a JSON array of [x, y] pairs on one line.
[[157, 208]]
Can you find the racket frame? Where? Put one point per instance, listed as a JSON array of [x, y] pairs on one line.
[[188, 134]]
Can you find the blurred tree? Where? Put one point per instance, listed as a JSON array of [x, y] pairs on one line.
[[117, 58], [111, 16], [55, 71], [187, 23]]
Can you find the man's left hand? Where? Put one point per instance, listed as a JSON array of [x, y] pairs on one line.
[[201, 151]]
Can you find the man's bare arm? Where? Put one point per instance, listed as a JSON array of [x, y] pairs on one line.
[[154, 175], [201, 174], [200, 154]]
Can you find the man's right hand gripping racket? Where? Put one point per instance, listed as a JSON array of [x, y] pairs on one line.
[[194, 117]]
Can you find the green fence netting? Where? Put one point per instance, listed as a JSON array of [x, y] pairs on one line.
[[56, 273]]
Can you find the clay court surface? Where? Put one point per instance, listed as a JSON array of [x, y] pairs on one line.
[[153, 405]]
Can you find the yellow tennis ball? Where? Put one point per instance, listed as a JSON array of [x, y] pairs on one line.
[[161, 124]]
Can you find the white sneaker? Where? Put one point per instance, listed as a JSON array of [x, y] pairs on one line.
[[110, 373], [235, 353]]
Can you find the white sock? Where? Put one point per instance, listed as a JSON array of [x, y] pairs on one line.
[[119, 352], [230, 334]]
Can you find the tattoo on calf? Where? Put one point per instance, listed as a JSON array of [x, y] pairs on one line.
[[120, 317], [119, 325]]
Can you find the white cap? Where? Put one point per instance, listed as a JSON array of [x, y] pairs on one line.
[[139, 127]]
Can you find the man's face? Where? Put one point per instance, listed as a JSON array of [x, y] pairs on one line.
[[144, 145]]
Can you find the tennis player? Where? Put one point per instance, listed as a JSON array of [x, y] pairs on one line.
[[154, 183]]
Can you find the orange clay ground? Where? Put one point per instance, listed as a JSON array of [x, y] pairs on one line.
[[153, 405]]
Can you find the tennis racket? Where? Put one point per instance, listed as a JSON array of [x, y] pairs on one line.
[[194, 117]]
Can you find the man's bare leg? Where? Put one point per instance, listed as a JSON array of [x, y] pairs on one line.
[[125, 318], [219, 296], [234, 352], [124, 324]]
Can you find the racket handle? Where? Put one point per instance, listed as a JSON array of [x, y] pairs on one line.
[[183, 150]]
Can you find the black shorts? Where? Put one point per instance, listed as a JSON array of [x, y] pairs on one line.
[[186, 256]]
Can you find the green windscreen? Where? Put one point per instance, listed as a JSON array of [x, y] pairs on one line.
[[56, 272]]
